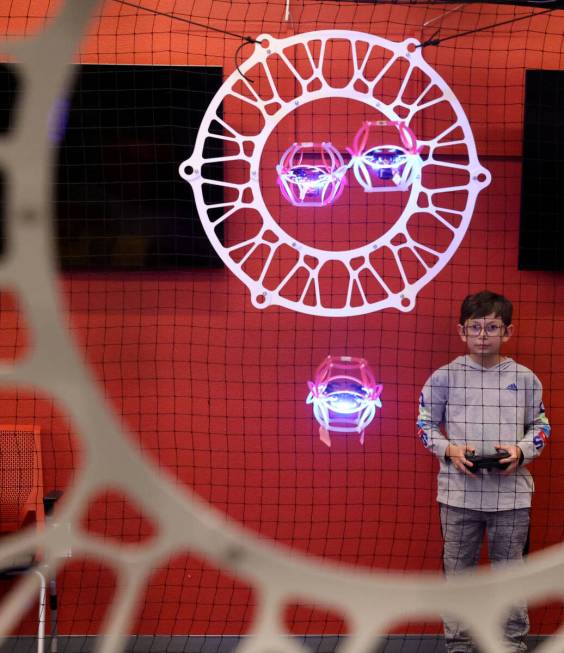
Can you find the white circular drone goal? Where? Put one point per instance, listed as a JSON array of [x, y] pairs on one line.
[[434, 163]]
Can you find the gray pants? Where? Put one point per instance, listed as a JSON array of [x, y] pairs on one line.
[[463, 532]]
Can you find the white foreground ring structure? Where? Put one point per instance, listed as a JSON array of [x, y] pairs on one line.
[[468, 177]]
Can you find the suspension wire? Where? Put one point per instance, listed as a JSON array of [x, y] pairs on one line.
[[236, 54], [248, 39], [433, 41], [440, 17], [156, 12]]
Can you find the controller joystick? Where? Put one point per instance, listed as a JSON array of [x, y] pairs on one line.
[[489, 462]]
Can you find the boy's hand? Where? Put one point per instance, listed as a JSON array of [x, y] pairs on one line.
[[513, 458], [458, 457]]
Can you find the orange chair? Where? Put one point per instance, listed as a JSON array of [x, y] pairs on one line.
[[22, 503]]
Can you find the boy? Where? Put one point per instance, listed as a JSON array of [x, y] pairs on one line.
[[485, 402]]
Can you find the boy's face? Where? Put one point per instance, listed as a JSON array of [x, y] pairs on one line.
[[484, 336]]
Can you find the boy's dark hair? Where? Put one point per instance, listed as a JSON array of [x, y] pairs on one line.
[[484, 303]]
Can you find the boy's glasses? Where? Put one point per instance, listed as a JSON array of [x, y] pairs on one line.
[[490, 328]]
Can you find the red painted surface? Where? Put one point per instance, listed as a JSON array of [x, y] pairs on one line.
[[213, 390]]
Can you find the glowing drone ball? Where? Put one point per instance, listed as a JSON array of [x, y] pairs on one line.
[[311, 184], [344, 395], [374, 166]]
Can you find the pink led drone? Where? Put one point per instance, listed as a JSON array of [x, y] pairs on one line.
[[311, 184], [385, 167], [344, 395]]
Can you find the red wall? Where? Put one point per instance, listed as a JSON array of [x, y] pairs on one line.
[[214, 389]]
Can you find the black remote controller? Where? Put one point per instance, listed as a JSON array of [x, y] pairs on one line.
[[488, 462]]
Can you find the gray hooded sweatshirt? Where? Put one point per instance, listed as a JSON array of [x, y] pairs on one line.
[[466, 404]]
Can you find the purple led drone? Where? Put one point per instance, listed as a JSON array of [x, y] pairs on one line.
[[308, 184], [320, 183], [374, 166], [345, 395]]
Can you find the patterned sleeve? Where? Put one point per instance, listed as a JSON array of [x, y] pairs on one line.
[[432, 409], [537, 428]]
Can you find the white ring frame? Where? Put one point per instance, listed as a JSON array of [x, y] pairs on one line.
[[191, 171]]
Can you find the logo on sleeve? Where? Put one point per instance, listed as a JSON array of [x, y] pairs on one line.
[[541, 439], [423, 437]]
